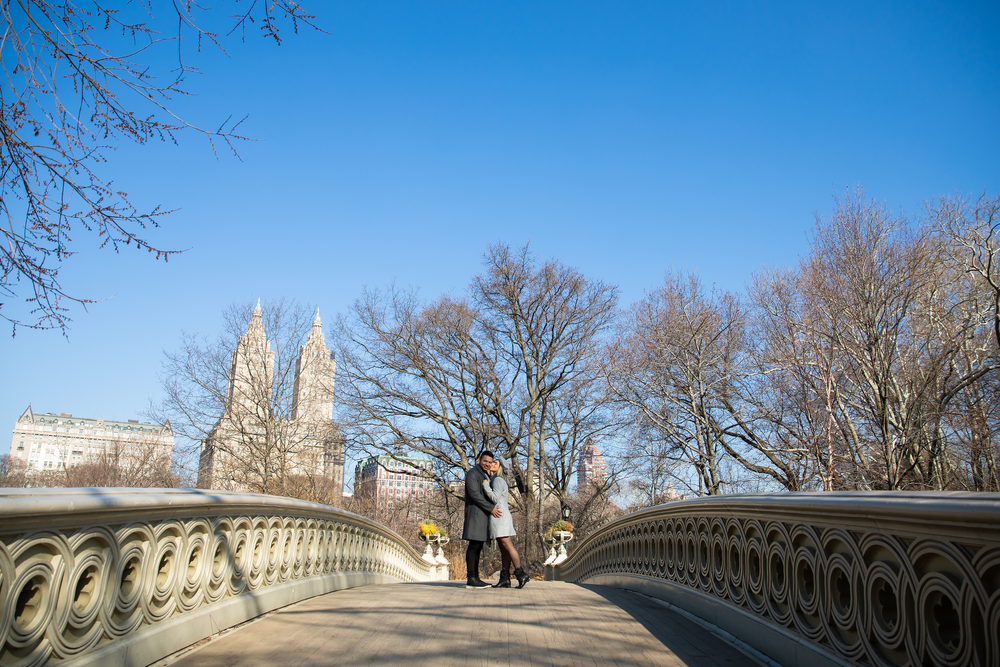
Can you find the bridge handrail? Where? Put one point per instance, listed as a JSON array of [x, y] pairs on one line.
[[127, 576], [878, 578]]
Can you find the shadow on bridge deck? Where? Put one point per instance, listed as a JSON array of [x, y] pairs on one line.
[[444, 624]]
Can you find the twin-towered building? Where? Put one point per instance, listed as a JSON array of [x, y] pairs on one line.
[[257, 445]]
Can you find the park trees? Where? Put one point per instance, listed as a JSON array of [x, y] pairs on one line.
[[138, 461], [491, 370], [80, 78], [250, 403], [680, 368], [870, 365], [969, 230], [873, 342], [13, 472], [670, 351]]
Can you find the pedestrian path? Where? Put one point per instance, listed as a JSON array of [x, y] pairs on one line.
[[446, 625]]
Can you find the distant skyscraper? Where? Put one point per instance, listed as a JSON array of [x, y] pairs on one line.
[[591, 469]]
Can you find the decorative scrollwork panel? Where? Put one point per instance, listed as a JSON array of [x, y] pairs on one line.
[[887, 579], [94, 576]]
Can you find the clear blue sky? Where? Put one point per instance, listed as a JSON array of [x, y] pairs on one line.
[[624, 138]]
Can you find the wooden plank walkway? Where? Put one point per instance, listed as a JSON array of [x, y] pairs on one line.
[[445, 625]]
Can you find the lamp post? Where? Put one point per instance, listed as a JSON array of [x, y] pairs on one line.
[[559, 539]]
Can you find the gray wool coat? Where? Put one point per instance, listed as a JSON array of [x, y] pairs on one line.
[[477, 506], [497, 491]]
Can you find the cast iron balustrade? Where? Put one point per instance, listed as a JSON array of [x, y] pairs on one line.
[[877, 578], [128, 576], [125, 577]]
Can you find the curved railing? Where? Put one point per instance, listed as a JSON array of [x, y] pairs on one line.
[[127, 576], [878, 578]]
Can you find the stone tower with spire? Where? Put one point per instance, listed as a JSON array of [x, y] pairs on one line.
[[251, 373], [314, 371], [253, 447]]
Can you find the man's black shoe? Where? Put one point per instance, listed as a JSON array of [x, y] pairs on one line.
[[476, 582]]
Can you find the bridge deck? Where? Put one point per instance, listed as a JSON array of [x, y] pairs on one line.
[[446, 625]]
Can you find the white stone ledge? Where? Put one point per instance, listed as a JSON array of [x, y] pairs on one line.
[[956, 512], [82, 506]]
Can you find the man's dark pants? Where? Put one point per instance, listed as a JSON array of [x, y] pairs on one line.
[[472, 554]]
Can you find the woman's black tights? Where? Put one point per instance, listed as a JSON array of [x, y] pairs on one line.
[[508, 554]]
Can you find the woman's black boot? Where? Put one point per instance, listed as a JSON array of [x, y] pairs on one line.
[[522, 577], [504, 580]]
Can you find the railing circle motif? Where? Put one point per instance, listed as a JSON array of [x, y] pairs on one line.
[[855, 588], [64, 592]]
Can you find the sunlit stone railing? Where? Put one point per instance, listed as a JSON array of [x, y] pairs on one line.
[[126, 576], [876, 578]]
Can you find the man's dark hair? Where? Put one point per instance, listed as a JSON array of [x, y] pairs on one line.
[[486, 452]]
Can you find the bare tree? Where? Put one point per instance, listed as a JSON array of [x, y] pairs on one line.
[[234, 402], [654, 468], [453, 377], [136, 462], [13, 472], [578, 417], [545, 322], [863, 350], [80, 78], [674, 368], [972, 232], [974, 422], [856, 370], [800, 375]]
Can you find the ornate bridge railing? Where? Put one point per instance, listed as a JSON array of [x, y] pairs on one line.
[[126, 577], [826, 578]]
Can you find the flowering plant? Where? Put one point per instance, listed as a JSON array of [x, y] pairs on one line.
[[559, 525], [429, 528]]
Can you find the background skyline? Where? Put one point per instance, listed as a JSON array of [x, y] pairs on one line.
[[623, 140]]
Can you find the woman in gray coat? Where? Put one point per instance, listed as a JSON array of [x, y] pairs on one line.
[[502, 527]]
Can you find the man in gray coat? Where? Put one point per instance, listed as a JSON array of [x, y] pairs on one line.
[[477, 518]]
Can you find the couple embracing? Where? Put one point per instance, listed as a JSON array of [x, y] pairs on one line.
[[488, 517]]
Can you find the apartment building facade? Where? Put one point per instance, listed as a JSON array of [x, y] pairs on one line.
[[387, 480], [56, 441]]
